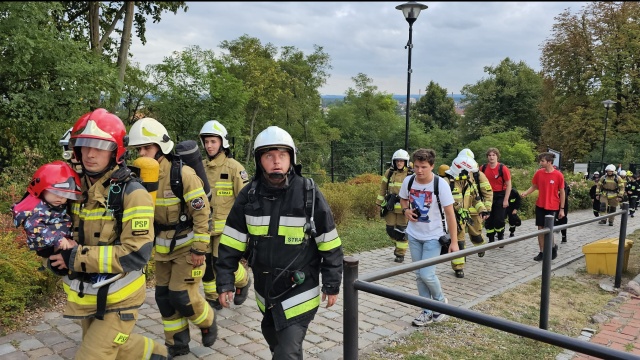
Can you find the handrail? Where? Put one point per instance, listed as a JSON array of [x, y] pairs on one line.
[[352, 283]]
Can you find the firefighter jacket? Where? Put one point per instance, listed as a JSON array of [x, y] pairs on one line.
[[469, 196], [269, 225], [515, 200], [632, 188], [226, 177], [195, 236], [390, 184], [103, 249], [610, 186]]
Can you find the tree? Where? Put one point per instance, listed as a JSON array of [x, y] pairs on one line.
[[100, 19], [507, 98], [193, 87], [45, 77], [435, 108]]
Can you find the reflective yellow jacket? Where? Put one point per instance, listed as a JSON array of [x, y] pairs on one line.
[[393, 184], [167, 212], [102, 250], [226, 177]]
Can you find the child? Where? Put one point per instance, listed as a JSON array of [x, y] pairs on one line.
[[42, 212]]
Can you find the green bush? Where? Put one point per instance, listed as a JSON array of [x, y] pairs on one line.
[[21, 283]]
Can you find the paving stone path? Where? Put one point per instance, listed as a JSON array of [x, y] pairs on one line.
[[380, 319]]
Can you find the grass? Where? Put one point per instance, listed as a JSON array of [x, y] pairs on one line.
[[574, 300], [358, 235]]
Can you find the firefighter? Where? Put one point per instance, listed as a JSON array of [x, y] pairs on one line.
[[285, 224], [180, 245], [631, 190], [111, 239], [472, 198], [609, 191], [389, 202], [226, 177]]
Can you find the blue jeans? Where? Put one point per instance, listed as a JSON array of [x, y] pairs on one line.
[[426, 278]]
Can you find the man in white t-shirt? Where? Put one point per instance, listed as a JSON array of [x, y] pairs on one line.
[[426, 224]]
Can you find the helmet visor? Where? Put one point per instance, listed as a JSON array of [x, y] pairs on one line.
[[71, 195], [95, 143]]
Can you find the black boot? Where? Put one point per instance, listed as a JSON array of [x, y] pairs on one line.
[[210, 334]]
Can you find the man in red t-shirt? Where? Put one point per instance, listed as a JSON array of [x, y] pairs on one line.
[[550, 185], [500, 179]]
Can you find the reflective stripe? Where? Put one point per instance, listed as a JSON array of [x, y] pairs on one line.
[[148, 348], [219, 225], [209, 286], [384, 179], [258, 225], [175, 325], [301, 303], [167, 201], [234, 239], [292, 221], [260, 302], [240, 273], [202, 316], [205, 238], [328, 241], [194, 194], [105, 255], [163, 245], [75, 208], [380, 197], [402, 244], [95, 214], [119, 290], [224, 184], [137, 211]]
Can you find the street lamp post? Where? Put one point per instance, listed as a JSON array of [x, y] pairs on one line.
[[410, 10], [607, 104]]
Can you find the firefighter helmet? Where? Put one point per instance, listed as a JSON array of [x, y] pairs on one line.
[[102, 130], [400, 155], [622, 173], [462, 163], [214, 128], [150, 131], [596, 173], [57, 177], [442, 169], [274, 137], [629, 173], [466, 152], [610, 167]]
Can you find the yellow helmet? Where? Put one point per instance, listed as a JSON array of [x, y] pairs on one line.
[[442, 168], [629, 173]]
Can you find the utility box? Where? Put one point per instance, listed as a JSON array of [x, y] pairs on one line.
[[602, 255]]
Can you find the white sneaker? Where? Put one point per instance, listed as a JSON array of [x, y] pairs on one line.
[[438, 317], [423, 319], [103, 279]]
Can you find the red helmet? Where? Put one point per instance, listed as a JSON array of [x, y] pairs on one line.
[[57, 177], [102, 130]]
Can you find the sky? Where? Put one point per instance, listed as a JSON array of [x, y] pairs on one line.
[[452, 41]]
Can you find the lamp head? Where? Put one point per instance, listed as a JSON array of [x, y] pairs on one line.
[[411, 10], [608, 103]]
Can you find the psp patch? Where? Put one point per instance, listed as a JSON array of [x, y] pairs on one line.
[[197, 204], [244, 175]]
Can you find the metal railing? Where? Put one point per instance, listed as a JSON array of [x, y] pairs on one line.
[[353, 283]]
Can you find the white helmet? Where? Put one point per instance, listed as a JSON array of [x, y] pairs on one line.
[[466, 152], [622, 173], [462, 163], [274, 137], [596, 173], [150, 131], [214, 128], [610, 167], [400, 155]]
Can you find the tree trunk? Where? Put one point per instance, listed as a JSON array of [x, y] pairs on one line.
[[251, 130], [94, 27], [123, 53]]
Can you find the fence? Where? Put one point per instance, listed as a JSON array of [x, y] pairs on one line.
[[353, 283]]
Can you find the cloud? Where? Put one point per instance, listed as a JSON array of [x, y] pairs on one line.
[[452, 41]]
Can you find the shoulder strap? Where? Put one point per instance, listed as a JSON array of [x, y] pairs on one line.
[[410, 182], [389, 175], [483, 167], [310, 206], [175, 178], [476, 177], [436, 191]]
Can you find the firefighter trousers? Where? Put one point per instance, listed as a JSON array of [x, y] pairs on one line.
[[610, 205], [209, 278], [179, 299], [475, 235], [117, 327], [396, 226]]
